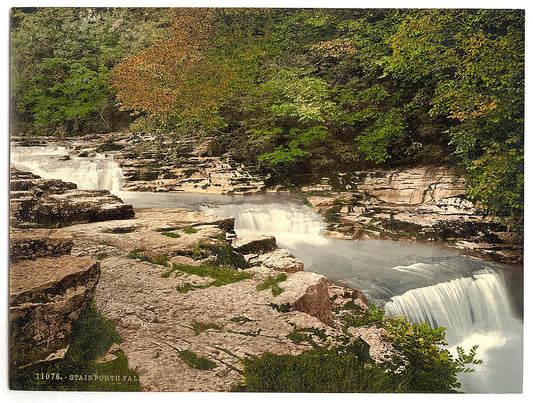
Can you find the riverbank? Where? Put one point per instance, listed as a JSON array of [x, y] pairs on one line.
[[425, 204], [120, 232]]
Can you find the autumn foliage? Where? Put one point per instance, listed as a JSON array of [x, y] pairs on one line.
[[175, 77]]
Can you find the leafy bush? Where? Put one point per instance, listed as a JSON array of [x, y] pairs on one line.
[[343, 369], [343, 363]]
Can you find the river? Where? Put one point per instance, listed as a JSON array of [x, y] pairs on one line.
[[470, 297]]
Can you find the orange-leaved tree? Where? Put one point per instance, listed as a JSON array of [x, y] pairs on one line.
[[176, 78]]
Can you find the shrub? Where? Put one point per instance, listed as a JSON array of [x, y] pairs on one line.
[[190, 230], [343, 363], [342, 369]]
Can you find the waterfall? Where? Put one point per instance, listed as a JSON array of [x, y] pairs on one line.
[[474, 310], [427, 284], [288, 220], [98, 172]]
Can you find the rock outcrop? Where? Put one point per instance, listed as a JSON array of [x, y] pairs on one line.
[[307, 292], [161, 311], [47, 295], [24, 244], [254, 244], [187, 170], [422, 204], [45, 203]]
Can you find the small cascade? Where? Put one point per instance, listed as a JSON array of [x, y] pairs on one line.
[[287, 220], [94, 173]]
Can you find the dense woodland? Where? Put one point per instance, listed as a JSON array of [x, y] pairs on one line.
[[296, 91]]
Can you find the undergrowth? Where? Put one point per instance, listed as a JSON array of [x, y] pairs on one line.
[[92, 337], [343, 363]]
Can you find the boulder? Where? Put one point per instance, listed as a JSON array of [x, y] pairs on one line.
[[47, 295], [306, 292], [31, 244], [278, 259], [254, 244]]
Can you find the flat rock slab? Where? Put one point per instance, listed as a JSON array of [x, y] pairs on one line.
[[156, 322], [34, 243], [40, 279], [173, 233]]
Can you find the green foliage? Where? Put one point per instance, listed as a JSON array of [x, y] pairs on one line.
[[220, 252], [92, 337], [190, 230], [370, 316], [222, 275], [195, 361], [283, 308], [343, 363], [273, 283], [60, 59], [305, 91], [428, 365], [324, 370]]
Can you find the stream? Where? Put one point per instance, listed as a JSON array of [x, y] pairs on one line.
[[470, 297]]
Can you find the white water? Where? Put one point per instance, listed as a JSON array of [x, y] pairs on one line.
[[475, 311], [467, 296], [98, 172]]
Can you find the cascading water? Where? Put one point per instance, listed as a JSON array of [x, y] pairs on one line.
[[465, 295], [90, 173], [474, 310]]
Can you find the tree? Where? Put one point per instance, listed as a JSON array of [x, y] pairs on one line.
[[473, 62], [174, 80], [60, 59]]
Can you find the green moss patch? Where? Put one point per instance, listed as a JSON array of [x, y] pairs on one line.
[[221, 275], [92, 337], [272, 283]]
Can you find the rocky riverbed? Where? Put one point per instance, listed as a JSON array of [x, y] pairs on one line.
[[140, 268], [425, 204]]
